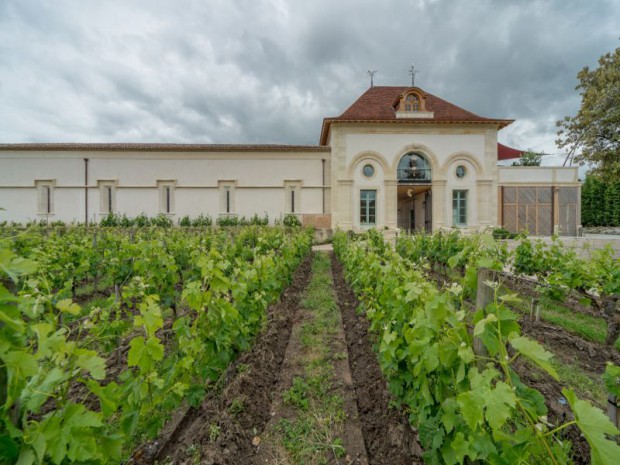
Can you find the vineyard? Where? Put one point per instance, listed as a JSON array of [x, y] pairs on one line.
[[166, 313], [239, 345]]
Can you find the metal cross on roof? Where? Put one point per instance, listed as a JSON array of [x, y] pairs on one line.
[[413, 72], [372, 75]]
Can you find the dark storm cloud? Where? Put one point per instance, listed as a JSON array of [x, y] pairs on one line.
[[268, 71]]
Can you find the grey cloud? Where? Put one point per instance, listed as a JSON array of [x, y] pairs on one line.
[[270, 70]]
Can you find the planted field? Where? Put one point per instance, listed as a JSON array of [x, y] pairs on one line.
[[240, 346]]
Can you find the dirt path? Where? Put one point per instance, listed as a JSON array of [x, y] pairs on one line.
[[222, 429], [314, 413], [259, 412], [389, 438]]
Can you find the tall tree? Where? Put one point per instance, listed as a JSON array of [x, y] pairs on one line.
[[593, 135]]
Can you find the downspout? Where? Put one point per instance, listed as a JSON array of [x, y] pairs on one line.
[[323, 184], [86, 191]]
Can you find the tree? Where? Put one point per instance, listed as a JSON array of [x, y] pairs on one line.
[[529, 158], [593, 135]]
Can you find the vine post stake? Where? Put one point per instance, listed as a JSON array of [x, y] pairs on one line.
[[484, 296], [535, 310]]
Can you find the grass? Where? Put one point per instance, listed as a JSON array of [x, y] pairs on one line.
[[584, 386], [585, 326], [312, 436]]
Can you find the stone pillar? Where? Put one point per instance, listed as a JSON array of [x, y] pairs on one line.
[[345, 204], [484, 204], [556, 210], [390, 187], [442, 204]]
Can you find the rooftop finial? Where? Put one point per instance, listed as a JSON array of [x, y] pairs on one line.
[[372, 75], [413, 72]]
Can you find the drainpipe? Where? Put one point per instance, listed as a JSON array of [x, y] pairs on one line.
[[86, 191], [323, 184]]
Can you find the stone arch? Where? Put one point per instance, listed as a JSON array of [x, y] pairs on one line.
[[420, 148], [367, 155], [465, 156]]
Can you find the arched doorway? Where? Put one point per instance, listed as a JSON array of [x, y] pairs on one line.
[[414, 194]]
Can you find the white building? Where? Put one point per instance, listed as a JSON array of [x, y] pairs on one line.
[[397, 158]]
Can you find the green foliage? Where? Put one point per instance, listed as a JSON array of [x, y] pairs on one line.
[[201, 221], [593, 134], [291, 220], [227, 220], [465, 408], [529, 158], [611, 377], [49, 345], [600, 202]]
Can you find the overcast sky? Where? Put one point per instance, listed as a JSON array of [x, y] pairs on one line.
[[269, 71]]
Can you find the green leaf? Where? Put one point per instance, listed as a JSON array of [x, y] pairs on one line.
[[471, 404], [595, 425], [150, 316], [480, 326], [611, 377], [9, 450], [109, 396], [26, 456], [142, 354], [499, 405], [535, 352], [68, 306], [466, 353], [89, 360], [37, 393]]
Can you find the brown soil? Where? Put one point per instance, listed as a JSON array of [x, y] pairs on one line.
[[390, 440], [269, 450], [221, 430], [232, 425], [591, 357], [558, 410]]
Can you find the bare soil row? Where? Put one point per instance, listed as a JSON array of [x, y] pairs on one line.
[[227, 428]]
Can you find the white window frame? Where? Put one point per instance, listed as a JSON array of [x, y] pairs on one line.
[[364, 210], [459, 207], [166, 190], [45, 196], [292, 196], [227, 197], [107, 196]]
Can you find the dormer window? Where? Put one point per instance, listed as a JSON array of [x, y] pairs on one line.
[[412, 103]]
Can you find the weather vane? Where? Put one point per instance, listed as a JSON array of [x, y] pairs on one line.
[[413, 72], [372, 75]]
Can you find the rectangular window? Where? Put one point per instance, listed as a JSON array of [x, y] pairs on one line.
[[227, 197], [45, 197], [107, 196], [459, 208], [292, 196], [166, 196], [368, 207]]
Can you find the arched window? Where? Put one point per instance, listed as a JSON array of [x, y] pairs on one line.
[[412, 103], [414, 168]]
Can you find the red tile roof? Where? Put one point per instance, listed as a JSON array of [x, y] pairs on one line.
[[140, 147], [378, 104]]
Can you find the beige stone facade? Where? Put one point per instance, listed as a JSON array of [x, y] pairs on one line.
[[376, 166]]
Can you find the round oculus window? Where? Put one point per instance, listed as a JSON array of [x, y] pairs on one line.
[[368, 171], [460, 171]]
